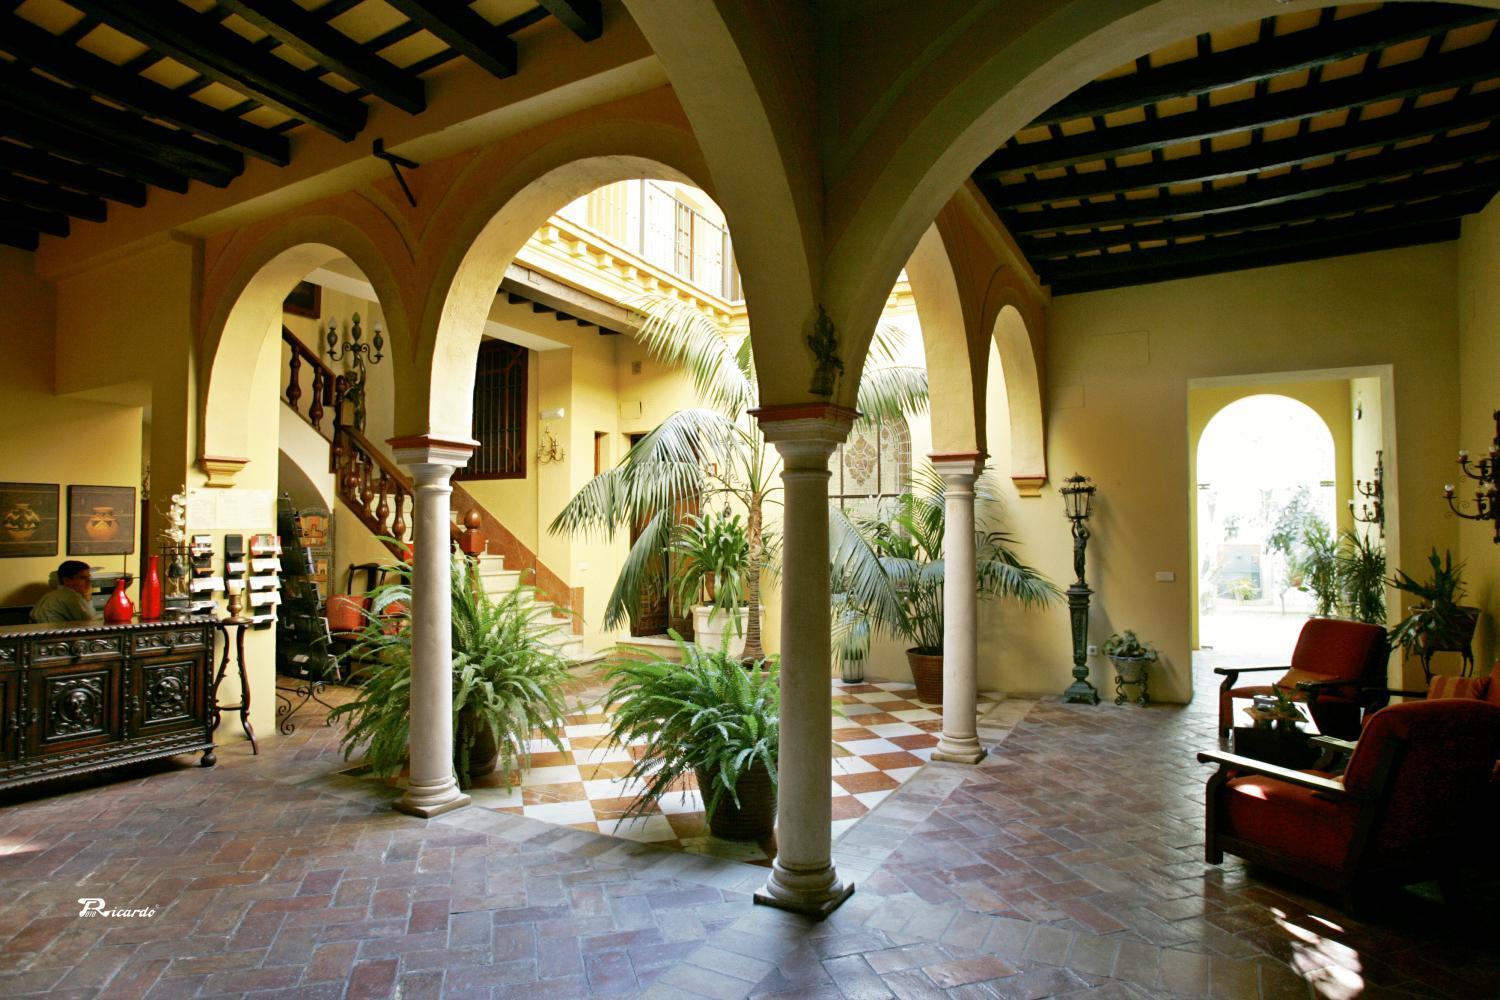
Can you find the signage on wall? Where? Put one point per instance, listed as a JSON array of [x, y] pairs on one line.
[[224, 510]]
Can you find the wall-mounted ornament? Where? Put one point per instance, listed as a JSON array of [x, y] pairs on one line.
[[28, 519], [101, 520], [1373, 511], [824, 343], [1486, 475], [549, 450], [360, 354]]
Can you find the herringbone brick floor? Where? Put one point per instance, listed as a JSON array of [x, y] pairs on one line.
[[1068, 863]]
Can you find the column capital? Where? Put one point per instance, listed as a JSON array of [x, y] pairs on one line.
[[805, 429], [427, 449], [957, 467]]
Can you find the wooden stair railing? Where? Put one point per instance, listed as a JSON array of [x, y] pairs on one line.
[[380, 493]]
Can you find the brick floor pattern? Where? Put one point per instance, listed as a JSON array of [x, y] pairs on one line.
[[1068, 863]]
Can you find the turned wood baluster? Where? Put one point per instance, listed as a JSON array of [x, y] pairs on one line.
[[315, 411], [366, 490], [340, 386], [294, 381], [383, 509], [398, 526]]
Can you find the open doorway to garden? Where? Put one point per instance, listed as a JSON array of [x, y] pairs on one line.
[[1266, 482]]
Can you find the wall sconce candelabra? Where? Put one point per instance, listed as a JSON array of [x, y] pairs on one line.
[[549, 449], [1373, 491], [1486, 475], [1078, 497], [359, 354]]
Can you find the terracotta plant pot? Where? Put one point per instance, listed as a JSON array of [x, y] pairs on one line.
[[927, 674], [755, 817]]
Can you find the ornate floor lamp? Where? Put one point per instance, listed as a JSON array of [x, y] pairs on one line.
[[1078, 496]]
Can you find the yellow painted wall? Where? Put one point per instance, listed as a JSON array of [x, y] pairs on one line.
[[1479, 398], [1119, 365], [46, 438]]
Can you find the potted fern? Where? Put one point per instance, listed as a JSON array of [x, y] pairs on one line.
[[1439, 624], [707, 716], [711, 569], [507, 678], [1130, 655]]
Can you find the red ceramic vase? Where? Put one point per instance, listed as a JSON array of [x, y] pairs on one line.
[[119, 610], [151, 596]]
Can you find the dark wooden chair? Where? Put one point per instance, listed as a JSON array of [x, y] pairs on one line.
[[1410, 804], [1335, 661]]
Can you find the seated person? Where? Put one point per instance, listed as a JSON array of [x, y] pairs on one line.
[[71, 600]]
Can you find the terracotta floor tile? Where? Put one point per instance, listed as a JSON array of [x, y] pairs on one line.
[[891, 761], [871, 781], [535, 795]]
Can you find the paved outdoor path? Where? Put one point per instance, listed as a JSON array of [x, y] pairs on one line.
[[1069, 863]]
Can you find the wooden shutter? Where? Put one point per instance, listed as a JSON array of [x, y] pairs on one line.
[[499, 413]]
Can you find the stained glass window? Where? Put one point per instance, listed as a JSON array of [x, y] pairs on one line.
[[870, 467]]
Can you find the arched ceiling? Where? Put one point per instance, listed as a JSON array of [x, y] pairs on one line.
[[1307, 134]]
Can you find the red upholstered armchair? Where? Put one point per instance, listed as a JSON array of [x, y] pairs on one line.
[[1334, 662], [1405, 810]]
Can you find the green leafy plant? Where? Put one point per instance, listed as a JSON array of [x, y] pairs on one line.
[[712, 563], [707, 714], [507, 677], [712, 455], [1243, 590], [1128, 646], [1439, 622], [891, 565], [1319, 567], [1361, 565]]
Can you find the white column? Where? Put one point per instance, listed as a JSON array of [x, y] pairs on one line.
[[960, 742], [802, 877], [431, 788]]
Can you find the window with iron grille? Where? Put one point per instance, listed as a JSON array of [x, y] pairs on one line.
[[499, 413], [871, 468]]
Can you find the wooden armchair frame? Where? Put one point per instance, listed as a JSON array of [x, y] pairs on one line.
[[1231, 680]]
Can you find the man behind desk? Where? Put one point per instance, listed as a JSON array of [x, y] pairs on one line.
[[70, 602]]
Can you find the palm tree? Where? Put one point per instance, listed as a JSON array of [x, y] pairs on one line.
[[713, 454]]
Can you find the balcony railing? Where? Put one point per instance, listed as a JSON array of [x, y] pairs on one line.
[[648, 220]]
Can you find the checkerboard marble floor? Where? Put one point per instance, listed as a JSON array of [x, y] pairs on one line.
[[882, 736]]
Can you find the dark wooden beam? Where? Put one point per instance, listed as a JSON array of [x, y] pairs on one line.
[[199, 41], [51, 199], [582, 17], [1288, 237], [64, 140], [27, 92], [45, 166], [20, 216], [34, 46], [310, 34], [1384, 131], [1445, 183], [458, 27], [1287, 187], [1418, 235], [1299, 50], [1466, 66], [19, 237]]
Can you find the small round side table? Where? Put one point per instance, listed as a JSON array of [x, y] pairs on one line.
[[239, 625]]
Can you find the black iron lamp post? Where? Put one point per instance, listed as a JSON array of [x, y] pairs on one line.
[[1078, 496], [361, 355]]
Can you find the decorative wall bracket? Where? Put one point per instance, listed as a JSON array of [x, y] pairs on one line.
[[221, 469], [1486, 476], [824, 343]]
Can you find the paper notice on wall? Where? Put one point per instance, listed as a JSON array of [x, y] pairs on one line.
[[229, 510]]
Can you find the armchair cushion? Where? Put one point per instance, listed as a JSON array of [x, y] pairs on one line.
[[1287, 682], [1448, 686], [345, 613], [1301, 822], [1342, 650]]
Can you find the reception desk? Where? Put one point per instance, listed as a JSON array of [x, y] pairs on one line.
[[78, 698]]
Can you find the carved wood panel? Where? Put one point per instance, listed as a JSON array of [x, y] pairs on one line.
[[69, 705], [166, 692]]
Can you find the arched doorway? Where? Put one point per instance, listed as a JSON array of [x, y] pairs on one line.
[[1265, 487]]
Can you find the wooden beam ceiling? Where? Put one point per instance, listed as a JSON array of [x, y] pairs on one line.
[[1361, 128], [467, 32]]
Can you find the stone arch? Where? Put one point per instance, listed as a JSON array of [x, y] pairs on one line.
[[958, 411], [491, 210], [971, 85], [243, 294], [1023, 394]]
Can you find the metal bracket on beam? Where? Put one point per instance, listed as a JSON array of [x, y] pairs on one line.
[[397, 162]]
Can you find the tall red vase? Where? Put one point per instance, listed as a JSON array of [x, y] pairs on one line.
[[119, 610], [151, 596]]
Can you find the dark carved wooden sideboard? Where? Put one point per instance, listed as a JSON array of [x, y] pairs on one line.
[[76, 698]]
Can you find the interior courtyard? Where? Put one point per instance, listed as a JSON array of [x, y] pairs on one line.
[[688, 498]]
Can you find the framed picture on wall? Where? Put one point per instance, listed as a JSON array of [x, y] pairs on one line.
[[101, 520], [305, 300], [28, 519]]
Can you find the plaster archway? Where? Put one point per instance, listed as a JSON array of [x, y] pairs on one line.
[[1023, 395], [972, 86], [245, 292], [958, 411]]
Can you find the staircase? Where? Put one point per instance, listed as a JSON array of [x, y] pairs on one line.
[[380, 494]]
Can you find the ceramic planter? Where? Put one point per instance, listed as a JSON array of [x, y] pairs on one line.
[[483, 753], [755, 817], [714, 629], [927, 674], [1131, 670], [852, 669]]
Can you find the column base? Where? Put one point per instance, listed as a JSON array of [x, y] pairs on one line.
[[1081, 693], [959, 750], [812, 894], [431, 800]]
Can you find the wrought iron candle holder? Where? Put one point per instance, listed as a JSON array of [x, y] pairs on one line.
[[1373, 491], [360, 354], [1485, 472], [1078, 496]]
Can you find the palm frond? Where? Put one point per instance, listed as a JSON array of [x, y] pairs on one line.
[[892, 391], [643, 566], [676, 333]]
